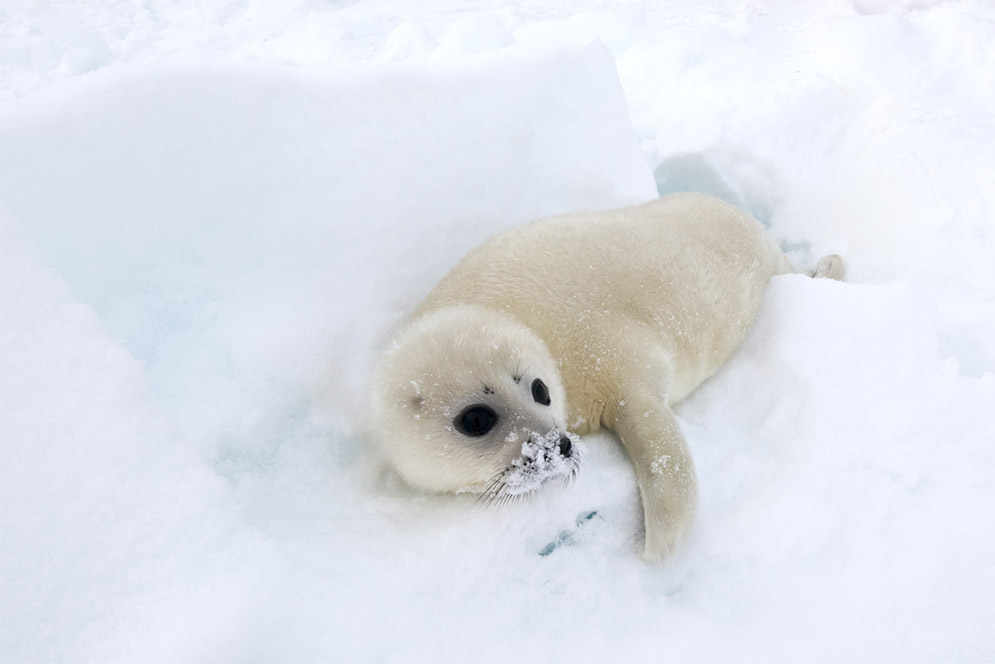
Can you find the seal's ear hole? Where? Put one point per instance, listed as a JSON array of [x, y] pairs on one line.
[[540, 393], [476, 420], [416, 403]]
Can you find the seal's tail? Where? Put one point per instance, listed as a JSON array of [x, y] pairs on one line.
[[830, 267]]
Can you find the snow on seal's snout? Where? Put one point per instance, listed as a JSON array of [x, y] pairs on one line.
[[541, 461]]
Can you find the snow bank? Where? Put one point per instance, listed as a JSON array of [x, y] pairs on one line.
[[249, 235], [107, 513], [194, 209], [853, 476]]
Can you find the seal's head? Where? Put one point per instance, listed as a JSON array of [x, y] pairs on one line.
[[470, 400]]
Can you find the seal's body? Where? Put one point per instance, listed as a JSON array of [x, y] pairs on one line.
[[571, 324]]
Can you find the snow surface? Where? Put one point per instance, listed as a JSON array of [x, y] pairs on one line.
[[211, 217]]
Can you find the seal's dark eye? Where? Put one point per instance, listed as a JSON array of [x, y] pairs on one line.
[[539, 392], [475, 421]]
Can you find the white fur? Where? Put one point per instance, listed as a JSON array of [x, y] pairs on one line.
[[441, 363], [620, 313]]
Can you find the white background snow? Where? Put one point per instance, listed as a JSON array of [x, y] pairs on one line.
[[212, 215]]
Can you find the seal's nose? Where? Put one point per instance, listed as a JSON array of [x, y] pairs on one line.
[[565, 446]]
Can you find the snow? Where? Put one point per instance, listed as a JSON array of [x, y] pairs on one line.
[[541, 463], [212, 216]]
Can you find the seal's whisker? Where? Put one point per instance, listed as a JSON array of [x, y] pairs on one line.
[[494, 480], [492, 494], [487, 495]]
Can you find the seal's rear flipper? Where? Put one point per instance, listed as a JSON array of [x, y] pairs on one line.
[[830, 267]]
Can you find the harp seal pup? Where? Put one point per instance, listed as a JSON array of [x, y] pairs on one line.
[[566, 325]]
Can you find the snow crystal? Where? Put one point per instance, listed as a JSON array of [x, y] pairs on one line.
[[540, 462]]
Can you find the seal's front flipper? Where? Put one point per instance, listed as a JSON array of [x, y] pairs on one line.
[[664, 471]]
